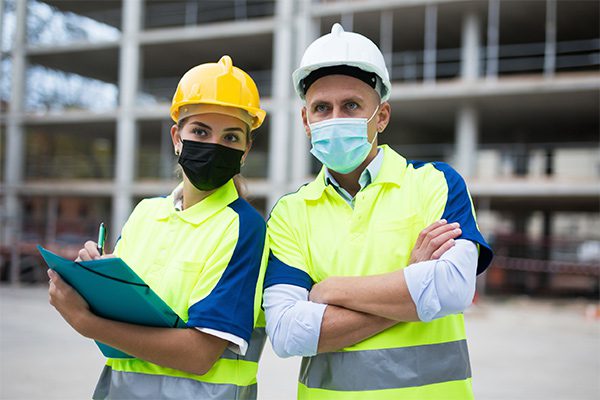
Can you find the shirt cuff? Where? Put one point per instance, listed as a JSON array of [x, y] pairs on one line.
[[293, 322], [236, 343], [442, 287]]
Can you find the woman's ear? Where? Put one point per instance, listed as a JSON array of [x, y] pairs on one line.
[[176, 139], [248, 147]]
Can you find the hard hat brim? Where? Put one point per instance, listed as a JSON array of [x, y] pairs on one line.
[[299, 74]]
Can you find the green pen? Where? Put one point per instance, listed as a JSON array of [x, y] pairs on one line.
[[101, 238]]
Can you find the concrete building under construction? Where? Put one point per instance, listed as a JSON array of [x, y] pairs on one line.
[[505, 91]]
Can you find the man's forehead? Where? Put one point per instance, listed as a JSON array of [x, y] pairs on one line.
[[338, 88]]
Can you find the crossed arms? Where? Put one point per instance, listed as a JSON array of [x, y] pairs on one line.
[[341, 311]]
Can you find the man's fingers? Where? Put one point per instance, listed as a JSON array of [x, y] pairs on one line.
[[443, 248], [424, 232], [440, 230], [441, 239]]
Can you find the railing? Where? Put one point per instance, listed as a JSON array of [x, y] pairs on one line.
[[512, 58], [548, 265], [525, 160], [185, 13]]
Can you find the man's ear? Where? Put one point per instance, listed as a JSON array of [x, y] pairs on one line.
[[305, 122], [383, 116]]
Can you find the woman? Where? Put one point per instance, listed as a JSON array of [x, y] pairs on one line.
[[201, 249]]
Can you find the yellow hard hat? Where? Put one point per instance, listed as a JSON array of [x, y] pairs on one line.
[[219, 84]]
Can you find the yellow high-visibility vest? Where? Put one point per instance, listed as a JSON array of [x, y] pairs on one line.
[[207, 263], [314, 234]]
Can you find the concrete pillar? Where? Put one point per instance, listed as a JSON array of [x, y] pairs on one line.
[[429, 65], [469, 68], [467, 129], [191, 12], [2, 4], [280, 113], [347, 21], [166, 151], [129, 74], [15, 138], [306, 31], [386, 39], [550, 50], [467, 122], [493, 37]]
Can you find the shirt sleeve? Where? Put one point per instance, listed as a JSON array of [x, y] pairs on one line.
[[287, 264], [457, 207], [445, 286], [236, 343], [224, 298], [293, 322]]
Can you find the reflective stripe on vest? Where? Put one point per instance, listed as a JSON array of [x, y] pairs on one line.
[[146, 380], [255, 347], [132, 385], [387, 368]]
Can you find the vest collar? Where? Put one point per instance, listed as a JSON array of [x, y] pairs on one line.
[[391, 172], [202, 210]]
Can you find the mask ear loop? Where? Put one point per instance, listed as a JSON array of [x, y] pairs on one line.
[[377, 131], [374, 112]]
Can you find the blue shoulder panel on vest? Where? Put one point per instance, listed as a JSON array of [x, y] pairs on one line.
[[279, 272], [230, 305], [458, 209]]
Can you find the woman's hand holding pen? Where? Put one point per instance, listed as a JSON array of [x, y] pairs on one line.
[[90, 252]]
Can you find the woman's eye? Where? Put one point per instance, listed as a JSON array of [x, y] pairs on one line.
[[232, 138], [199, 131]]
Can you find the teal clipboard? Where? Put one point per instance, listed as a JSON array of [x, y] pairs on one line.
[[114, 291]]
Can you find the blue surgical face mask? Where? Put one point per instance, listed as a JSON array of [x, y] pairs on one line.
[[341, 144]]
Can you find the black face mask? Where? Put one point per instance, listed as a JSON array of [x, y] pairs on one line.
[[209, 165]]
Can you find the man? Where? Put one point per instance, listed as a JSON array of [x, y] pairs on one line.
[[369, 271]]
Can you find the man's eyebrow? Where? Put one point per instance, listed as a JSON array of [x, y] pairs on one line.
[[318, 101], [357, 98]]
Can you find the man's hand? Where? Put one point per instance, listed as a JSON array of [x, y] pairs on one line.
[[434, 241], [318, 293]]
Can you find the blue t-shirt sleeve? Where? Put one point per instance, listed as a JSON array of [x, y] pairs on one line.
[[459, 208], [279, 272], [230, 305], [287, 262]]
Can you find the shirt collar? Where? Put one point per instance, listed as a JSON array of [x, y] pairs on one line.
[[200, 211], [367, 176], [391, 171]]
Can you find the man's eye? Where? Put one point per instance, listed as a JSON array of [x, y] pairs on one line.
[[352, 106], [321, 108]]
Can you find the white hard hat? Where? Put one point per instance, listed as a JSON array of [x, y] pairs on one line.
[[340, 48]]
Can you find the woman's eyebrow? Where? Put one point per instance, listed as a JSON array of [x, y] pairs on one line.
[[201, 124], [233, 129]]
